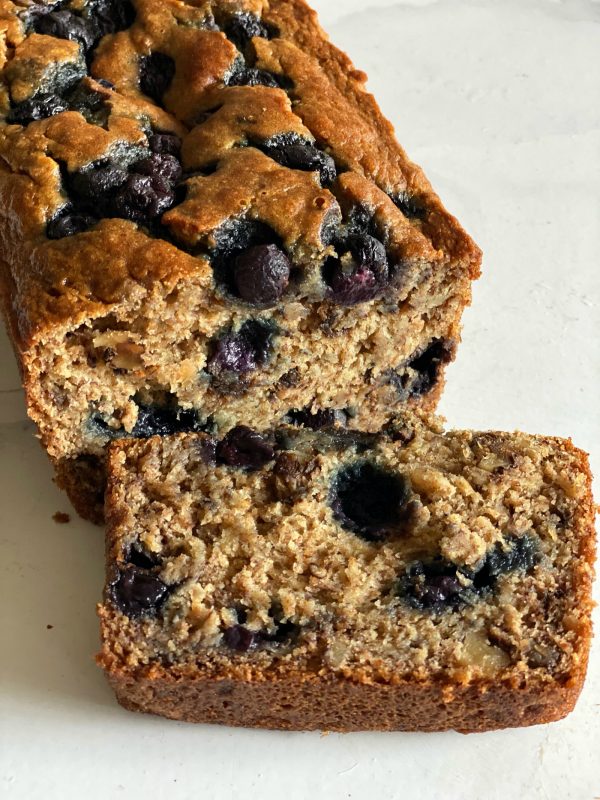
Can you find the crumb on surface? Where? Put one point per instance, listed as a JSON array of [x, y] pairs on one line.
[[61, 518]]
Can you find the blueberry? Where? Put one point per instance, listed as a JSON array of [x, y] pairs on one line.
[[369, 500], [90, 103], [253, 77], [431, 585], [360, 274], [143, 198], [436, 585], [522, 554], [165, 143], [156, 73], [292, 151], [65, 24], [244, 351], [68, 223], [421, 372], [165, 420], [261, 274], [243, 447], [243, 27], [138, 592], [100, 179], [110, 16], [239, 638], [162, 165], [408, 205], [206, 448], [40, 106], [323, 418], [140, 557]]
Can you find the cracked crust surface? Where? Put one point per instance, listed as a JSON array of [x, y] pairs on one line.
[[336, 640], [123, 311]]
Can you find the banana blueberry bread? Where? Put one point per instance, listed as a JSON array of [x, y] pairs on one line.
[[411, 579], [205, 220]]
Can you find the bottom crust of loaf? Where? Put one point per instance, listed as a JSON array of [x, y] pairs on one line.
[[336, 704]]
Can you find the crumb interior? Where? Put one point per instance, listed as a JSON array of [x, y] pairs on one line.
[[270, 552]]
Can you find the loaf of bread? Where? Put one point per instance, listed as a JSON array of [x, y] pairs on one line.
[[407, 580], [204, 220]]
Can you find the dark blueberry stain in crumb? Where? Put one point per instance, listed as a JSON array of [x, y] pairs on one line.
[[152, 421], [291, 150], [245, 448], [157, 71], [439, 585], [239, 638], [242, 351], [317, 420], [369, 501], [138, 592], [420, 374]]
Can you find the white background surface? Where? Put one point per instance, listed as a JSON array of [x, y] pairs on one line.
[[499, 102]]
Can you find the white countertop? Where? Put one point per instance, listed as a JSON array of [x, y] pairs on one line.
[[499, 103]]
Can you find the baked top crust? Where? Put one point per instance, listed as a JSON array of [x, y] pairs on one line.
[[241, 84]]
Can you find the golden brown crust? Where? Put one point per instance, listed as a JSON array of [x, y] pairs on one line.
[[301, 703]]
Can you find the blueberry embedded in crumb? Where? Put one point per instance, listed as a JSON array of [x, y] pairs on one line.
[[138, 592], [65, 24], [239, 638], [96, 20], [97, 180], [245, 448], [369, 501], [317, 420], [243, 351], [243, 27], [165, 143], [141, 558], [157, 70], [40, 106], [250, 76], [68, 222], [110, 16], [420, 374], [408, 205], [159, 165], [165, 421], [439, 585], [431, 586], [142, 198], [261, 274], [291, 150], [521, 554], [361, 274]]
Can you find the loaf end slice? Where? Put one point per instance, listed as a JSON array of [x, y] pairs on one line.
[[408, 580]]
